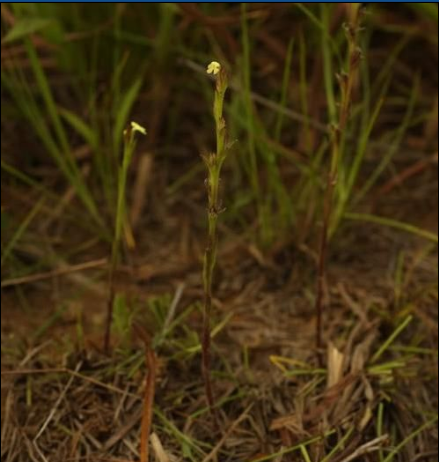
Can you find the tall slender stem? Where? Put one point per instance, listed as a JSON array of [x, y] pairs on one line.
[[347, 84], [129, 147], [214, 162]]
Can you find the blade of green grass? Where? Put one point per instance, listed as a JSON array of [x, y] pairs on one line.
[[182, 439], [47, 96], [19, 175], [387, 368], [123, 110], [393, 149], [321, 24], [386, 71], [385, 346], [341, 444], [60, 150], [118, 66], [248, 104], [295, 448], [284, 91], [20, 231], [424, 9], [345, 188], [25, 27], [328, 71], [88, 133], [410, 438], [305, 453], [362, 147], [389, 222], [303, 88]]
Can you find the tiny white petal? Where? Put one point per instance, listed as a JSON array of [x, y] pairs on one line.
[[135, 127], [213, 68]]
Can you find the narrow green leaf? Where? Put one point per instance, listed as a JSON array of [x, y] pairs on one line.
[[124, 110], [24, 27], [429, 10], [411, 437], [389, 222], [81, 127], [20, 231]]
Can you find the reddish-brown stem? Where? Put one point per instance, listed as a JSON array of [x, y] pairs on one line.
[[207, 371], [347, 83], [148, 406], [323, 251], [110, 303], [206, 337]]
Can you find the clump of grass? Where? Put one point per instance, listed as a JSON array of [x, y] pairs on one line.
[[120, 222], [214, 162], [347, 83]]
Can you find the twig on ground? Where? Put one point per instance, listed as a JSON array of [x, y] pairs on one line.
[[148, 405]]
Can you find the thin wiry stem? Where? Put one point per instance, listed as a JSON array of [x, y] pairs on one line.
[[214, 162], [347, 83], [129, 147]]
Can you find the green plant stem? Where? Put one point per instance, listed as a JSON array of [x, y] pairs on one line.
[[129, 147], [214, 164]]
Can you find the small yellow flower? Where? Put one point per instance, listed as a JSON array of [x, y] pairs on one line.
[[213, 68], [135, 127]]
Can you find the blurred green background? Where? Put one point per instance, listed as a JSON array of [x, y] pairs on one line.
[[75, 74]]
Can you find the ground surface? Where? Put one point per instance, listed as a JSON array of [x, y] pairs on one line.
[[269, 385]]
